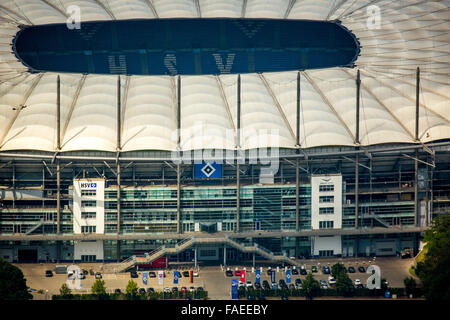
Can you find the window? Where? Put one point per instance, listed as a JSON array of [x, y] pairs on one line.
[[88, 203], [326, 199], [326, 210], [88, 192], [88, 229], [88, 215], [326, 224], [326, 187], [208, 253]]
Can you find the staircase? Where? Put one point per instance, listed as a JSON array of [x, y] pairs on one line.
[[188, 242], [41, 223]]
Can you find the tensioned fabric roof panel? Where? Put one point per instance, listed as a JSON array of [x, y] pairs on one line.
[[411, 34]]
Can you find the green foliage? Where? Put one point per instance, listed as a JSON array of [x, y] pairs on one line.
[[336, 269], [99, 288], [65, 290], [131, 288], [410, 285], [12, 283], [344, 284], [310, 286], [434, 270]]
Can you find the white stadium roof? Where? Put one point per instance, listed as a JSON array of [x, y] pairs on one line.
[[413, 33]]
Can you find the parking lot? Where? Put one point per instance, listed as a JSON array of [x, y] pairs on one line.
[[213, 278]]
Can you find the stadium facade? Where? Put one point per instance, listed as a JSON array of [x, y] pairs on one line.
[[340, 161]]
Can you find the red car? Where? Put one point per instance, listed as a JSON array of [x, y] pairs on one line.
[[183, 289], [238, 272]]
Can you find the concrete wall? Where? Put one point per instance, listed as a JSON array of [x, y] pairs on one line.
[[99, 209], [336, 217], [88, 248]]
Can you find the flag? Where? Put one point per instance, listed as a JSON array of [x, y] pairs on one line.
[[243, 275], [272, 276], [258, 276], [160, 277], [191, 276], [175, 277], [234, 289], [288, 276], [144, 277]]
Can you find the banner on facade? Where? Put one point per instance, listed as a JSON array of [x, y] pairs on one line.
[[160, 277]]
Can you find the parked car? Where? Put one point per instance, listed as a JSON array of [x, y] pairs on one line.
[[167, 290], [174, 289], [266, 285], [149, 290], [291, 286], [85, 272], [314, 269], [323, 284], [326, 270], [303, 271], [357, 282], [199, 289], [331, 280], [229, 273], [141, 291], [48, 273], [133, 274], [249, 284], [274, 286], [257, 286], [91, 272], [191, 289], [183, 289], [152, 274], [82, 276], [351, 270], [241, 284], [195, 274], [298, 283], [117, 291], [98, 275], [294, 271], [361, 269]]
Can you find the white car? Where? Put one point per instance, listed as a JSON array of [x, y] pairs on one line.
[[357, 282], [241, 284], [167, 289], [249, 284], [195, 274], [331, 280]]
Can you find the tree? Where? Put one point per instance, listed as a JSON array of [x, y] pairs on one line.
[[131, 288], [410, 285], [98, 287], [65, 290], [434, 270], [13, 285], [344, 284], [336, 269], [310, 286]]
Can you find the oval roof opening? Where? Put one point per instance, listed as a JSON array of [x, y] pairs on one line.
[[186, 46]]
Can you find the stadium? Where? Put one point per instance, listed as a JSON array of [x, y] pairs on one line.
[[218, 131]]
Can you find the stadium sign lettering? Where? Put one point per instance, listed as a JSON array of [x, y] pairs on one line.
[[85, 185]]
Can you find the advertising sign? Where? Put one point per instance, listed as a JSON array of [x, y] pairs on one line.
[[234, 289], [288, 276], [160, 277], [243, 275], [258, 276], [144, 278], [272, 276], [175, 277]]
